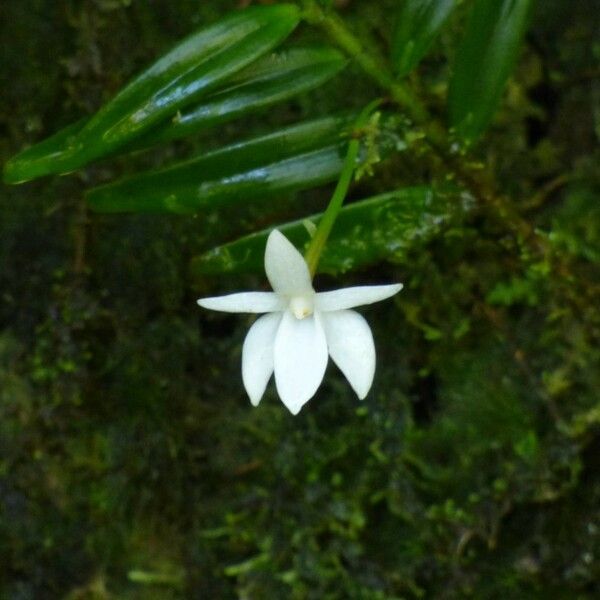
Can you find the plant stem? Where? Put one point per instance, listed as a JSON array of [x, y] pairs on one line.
[[319, 239], [477, 180], [372, 65]]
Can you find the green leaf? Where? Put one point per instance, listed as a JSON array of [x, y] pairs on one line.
[[194, 68], [365, 232], [269, 80], [293, 158], [418, 23], [51, 155], [484, 61]]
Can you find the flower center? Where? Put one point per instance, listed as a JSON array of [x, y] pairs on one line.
[[302, 306]]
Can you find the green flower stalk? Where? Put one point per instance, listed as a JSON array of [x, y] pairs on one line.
[[319, 239]]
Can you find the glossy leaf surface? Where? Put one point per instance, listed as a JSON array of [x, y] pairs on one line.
[[51, 155], [364, 233], [484, 61], [195, 67], [271, 79], [418, 23], [297, 157]]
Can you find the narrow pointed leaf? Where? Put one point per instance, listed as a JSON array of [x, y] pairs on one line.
[[185, 74], [417, 24], [294, 158], [271, 79], [484, 61], [191, 194], [365, 232], [194, 68]]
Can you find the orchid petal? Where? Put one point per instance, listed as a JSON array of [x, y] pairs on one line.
[[354, 296], [285, 267], [257, 355], [351, 347], [244, 302], [300, 359]]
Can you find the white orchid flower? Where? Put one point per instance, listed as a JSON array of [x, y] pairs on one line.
[[301, 328]]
